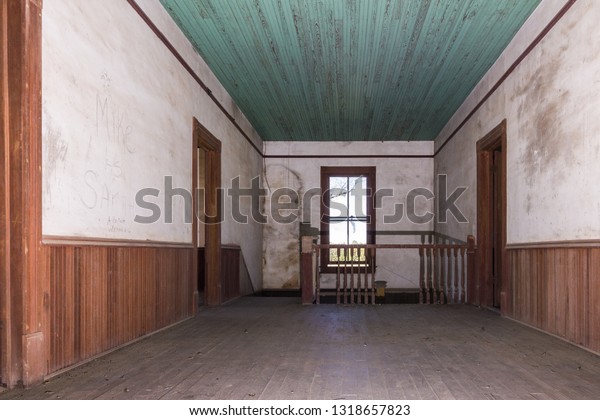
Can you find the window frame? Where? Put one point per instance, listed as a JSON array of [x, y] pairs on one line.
[[369, 172]]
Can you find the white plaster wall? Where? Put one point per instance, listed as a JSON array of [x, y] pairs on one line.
[[117, 117], [552, 106], [281, 241]]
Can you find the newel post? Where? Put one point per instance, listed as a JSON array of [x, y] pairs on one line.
[[306, 270], [471, 269]]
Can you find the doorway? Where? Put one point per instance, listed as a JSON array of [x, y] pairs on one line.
[[206, 226], [491, 218]]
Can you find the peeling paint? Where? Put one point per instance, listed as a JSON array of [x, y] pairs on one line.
[[105, 101], [542, 97], [339, 70], [551, 103], [281, 242]]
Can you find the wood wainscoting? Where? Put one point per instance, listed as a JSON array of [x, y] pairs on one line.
[[66, 301], [556, 287], [229, 276], [230, 272], [104, 295]]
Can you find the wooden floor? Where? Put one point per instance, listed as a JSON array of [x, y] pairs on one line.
[[274, 348]]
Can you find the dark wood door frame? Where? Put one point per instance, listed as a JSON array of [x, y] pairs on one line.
[[22, 287], [204, 140], [484, 291], [5, 318]]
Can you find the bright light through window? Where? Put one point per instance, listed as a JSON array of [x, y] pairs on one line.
[[348, 217], [347, 210]]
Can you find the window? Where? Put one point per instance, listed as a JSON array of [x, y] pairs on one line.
[[347, 215]]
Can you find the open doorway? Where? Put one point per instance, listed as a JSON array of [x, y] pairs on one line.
[[491, 218], [206, 226]]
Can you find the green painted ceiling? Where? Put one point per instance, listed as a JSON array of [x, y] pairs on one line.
[[349, 69]]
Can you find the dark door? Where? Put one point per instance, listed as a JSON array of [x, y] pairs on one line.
[[497, 227], [207, 230], [490, 289]]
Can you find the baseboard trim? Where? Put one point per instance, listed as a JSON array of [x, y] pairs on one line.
[[552, 335], [112, 350]]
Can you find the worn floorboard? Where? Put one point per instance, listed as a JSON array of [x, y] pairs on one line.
[[275, 348]]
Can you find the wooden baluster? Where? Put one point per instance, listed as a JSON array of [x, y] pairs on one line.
[[360, 274], [338, 275], [438, 263], [352, 275], [456, 279], [434, 280], [373, 257], [463, 282], [359, 279], [366, 273], [363, 281], [470, 283], [430, 297], [450, 272], [434, 271], [450, 276], [317, 253], [428, 276], [422, 271], [357, 284], [442, 273], [367, 262], [441, 293], [357, 291], [345, 276], [445, 270], [366, 289], [421, 274]]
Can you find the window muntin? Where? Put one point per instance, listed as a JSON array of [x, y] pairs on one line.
[[347, 216], [347, 210]]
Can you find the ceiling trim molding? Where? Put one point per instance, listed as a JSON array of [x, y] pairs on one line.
[[152, 26], [348, 156], [510, 70], [191, 71]]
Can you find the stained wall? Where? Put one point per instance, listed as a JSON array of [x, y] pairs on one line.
[[546, 85], [117, 119], [550, 102], [400, 168]]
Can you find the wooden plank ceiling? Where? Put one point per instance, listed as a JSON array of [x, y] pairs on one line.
[[349, 69]]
